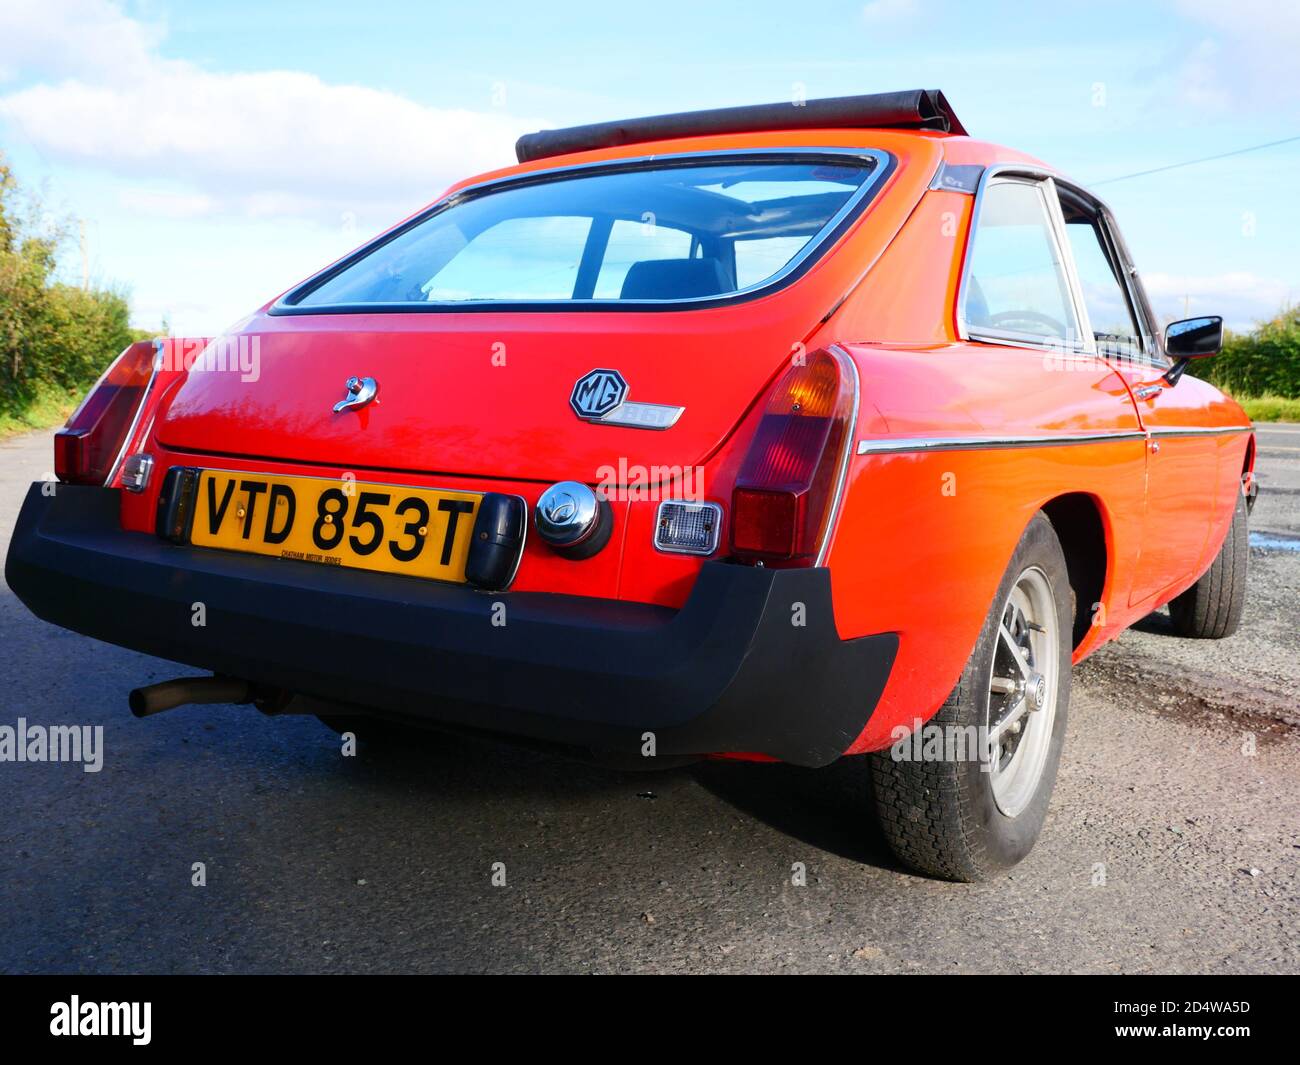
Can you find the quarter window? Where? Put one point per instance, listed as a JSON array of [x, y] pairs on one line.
[[1016, 287], [1109, 312]]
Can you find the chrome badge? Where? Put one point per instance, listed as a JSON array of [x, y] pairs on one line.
[[601, 396], [597, 393]]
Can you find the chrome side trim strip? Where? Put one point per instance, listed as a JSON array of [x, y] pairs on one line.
[[1197, 430], [887, 445], [842, 474], [903, 444]]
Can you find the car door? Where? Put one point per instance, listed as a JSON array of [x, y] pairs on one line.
[[1182, 459], [1041, 375]]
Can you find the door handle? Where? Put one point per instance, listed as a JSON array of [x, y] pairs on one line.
[[1149, 391]]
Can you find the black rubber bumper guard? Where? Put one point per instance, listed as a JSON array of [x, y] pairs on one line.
[[732, 670]]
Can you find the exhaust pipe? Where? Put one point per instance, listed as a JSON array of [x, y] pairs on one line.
[[155, 698]]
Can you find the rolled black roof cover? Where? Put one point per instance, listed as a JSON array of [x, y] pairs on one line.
[[912, 109]]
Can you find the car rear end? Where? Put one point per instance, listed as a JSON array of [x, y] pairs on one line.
[[643, 323]]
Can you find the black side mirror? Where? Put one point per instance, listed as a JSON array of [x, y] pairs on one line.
[[1192, 338]]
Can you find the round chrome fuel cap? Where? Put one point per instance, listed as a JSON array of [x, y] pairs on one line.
[[567, 513]]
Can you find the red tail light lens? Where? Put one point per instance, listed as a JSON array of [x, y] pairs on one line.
[[86, 450], [781, 505]]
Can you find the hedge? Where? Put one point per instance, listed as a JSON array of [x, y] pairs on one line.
[[54, 338], [1265, 362]]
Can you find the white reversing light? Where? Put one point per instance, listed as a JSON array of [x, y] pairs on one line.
[[687, 528]]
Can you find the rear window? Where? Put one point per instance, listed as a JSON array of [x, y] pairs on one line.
[[627, 234]]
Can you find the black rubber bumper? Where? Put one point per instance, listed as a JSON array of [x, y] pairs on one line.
[[732, 670]]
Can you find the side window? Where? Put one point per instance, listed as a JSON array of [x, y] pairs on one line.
[[634, 242], [1109, 311], [516, 259], [1016, 287]]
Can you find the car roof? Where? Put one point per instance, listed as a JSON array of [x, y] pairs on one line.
[[910, 109], [906, 124], [922, 147]]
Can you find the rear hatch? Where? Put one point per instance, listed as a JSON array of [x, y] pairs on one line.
[[700, 254], [477, 394]]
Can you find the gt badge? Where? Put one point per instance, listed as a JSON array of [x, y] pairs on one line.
[[601, 396]]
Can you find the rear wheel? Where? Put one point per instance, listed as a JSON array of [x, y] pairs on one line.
[[1211, 608], [973, 803]]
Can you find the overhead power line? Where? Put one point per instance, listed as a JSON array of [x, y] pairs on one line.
[[1194, 162]]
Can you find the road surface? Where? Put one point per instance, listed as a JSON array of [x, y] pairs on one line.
[[1169, 846]]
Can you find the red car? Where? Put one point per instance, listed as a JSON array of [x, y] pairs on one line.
[[774, 433]]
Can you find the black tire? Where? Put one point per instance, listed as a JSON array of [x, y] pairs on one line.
[[941, 816], [1211, 608]]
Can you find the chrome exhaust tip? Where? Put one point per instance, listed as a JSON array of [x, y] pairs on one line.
[[169, 694]]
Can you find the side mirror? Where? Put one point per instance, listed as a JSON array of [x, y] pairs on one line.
[[1192, 338]]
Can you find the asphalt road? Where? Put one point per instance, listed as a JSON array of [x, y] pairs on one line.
[[384, 862]]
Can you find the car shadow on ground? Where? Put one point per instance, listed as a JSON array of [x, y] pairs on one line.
[[829, 808]]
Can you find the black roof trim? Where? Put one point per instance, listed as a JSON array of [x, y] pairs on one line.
[[912, 109]]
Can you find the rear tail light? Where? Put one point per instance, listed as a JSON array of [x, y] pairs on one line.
[[784, 496], [88, 448]]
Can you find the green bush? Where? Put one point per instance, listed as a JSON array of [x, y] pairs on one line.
[[1265, 362], [55, 339]]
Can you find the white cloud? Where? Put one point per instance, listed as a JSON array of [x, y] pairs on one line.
[[1241, 297], [262, 142], [1249, 57], [878, 11], [61, 38], [165, 204]]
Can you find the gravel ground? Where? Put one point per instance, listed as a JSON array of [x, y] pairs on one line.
[[1169, 847]]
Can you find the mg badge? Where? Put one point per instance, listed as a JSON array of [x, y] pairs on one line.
[[597, 393]]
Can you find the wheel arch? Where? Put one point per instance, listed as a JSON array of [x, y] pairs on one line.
[[1082, 526]]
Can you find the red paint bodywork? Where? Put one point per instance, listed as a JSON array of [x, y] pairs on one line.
[[906, 556]]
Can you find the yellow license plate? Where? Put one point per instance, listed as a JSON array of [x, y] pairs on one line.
[[421, 532]]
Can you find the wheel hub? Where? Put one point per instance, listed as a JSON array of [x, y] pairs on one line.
[[1036, 692]]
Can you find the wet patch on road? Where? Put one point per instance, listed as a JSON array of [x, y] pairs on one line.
[[1265, 541]]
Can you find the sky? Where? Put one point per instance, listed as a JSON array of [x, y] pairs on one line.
[[216, 154]]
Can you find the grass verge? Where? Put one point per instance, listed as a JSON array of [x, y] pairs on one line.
[[1271, 408], [48, 408]]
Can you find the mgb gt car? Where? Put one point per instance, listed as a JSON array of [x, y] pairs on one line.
[[772, 433]]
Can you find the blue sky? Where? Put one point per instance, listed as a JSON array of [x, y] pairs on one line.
[[218, 153]]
